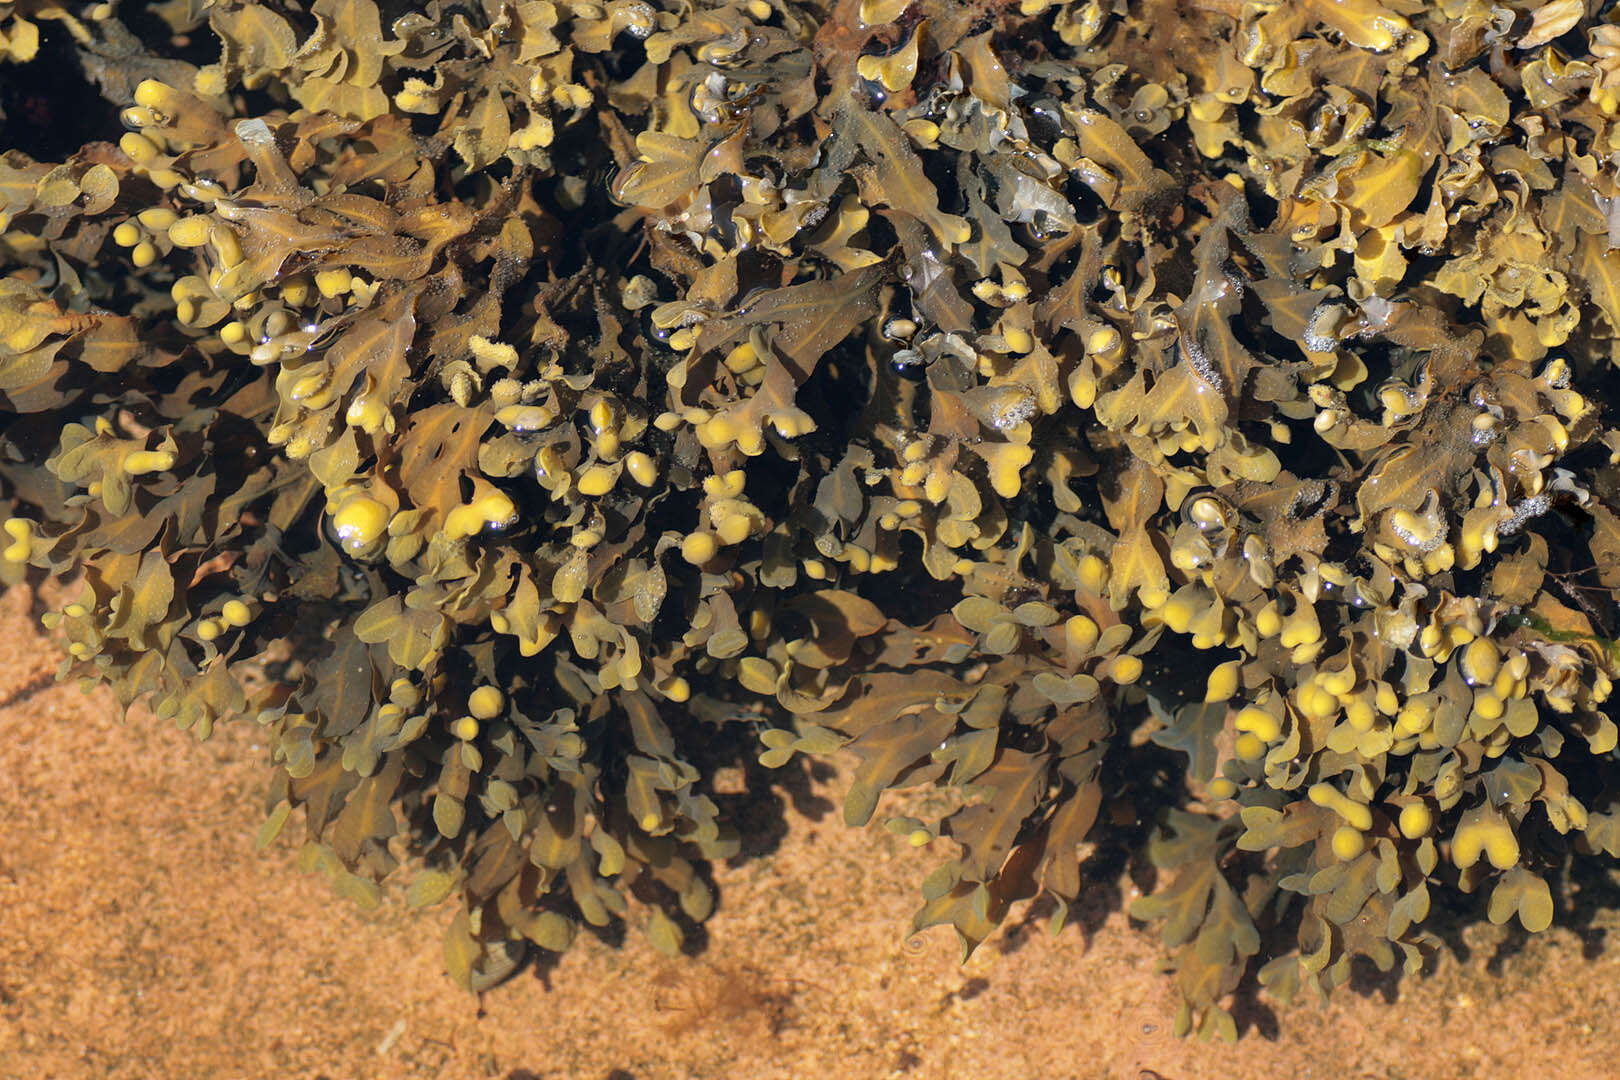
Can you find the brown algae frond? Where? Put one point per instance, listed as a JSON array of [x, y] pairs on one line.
[[1007, 398]]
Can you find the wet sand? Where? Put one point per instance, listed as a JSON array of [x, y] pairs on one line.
[[142, 936]]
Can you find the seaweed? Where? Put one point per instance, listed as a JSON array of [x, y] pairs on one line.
[[505, 405]]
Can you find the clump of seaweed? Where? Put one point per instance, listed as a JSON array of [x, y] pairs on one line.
[[538, 392]]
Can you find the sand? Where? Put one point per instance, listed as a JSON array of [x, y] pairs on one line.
[[141, 935]]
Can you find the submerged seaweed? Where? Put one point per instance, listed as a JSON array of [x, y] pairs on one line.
[[503, 403]]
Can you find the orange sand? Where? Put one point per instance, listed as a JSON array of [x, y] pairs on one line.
[[142, 936]]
